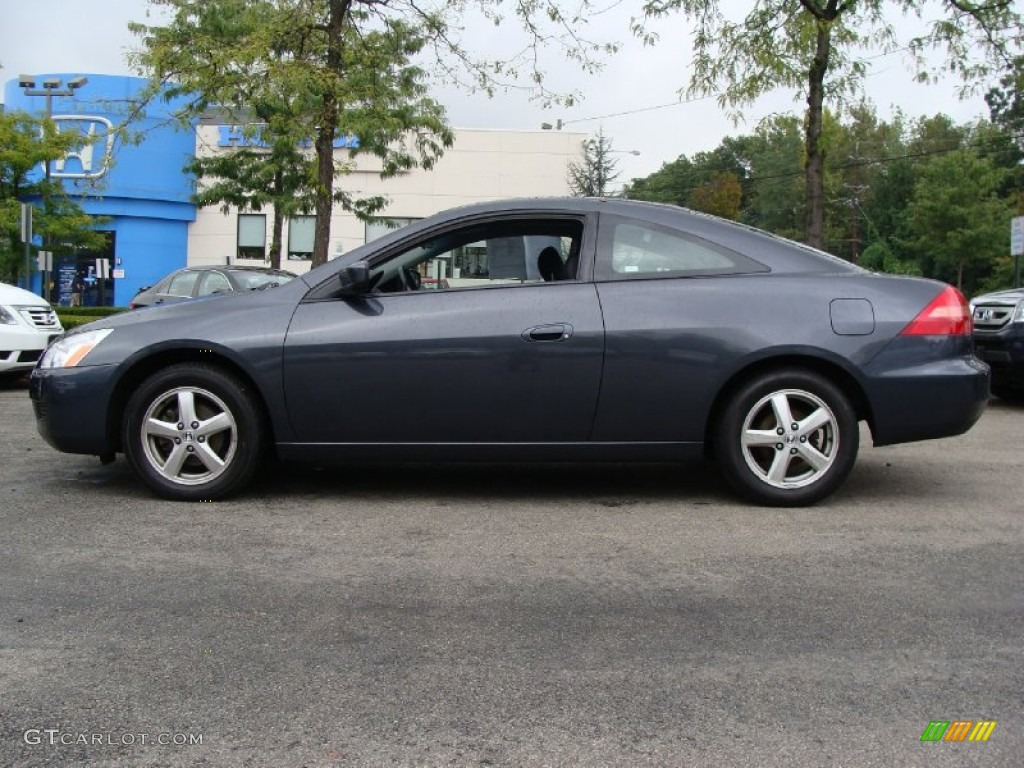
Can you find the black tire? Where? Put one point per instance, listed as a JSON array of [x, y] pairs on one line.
[[1008, 394], [814, 459], [207, 456]]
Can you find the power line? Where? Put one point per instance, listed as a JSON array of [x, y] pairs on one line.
[[640, 109]]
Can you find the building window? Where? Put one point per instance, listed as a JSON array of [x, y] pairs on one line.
[[301, 231], [381, 226], [252, 236]]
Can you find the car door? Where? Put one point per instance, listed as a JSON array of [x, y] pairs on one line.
[[461, 342], [675, 322]]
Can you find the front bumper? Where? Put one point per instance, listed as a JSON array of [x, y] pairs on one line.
[[72, 408], [21, 348], [1004, 351]]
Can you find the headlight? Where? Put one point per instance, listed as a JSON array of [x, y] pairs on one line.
[[71, 350], [7, 317], [1018, 315]]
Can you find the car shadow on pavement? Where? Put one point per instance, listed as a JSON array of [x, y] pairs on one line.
[[610, 485]]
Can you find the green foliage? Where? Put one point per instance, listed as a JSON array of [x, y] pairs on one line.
[[27, 142], [925, 197], [594, 175], [880, 258], [958, 225], [816, 48], [301, 72], [720, 196]]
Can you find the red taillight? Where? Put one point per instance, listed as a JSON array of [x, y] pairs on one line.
[[947, 315]]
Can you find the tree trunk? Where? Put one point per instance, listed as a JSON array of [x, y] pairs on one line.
[[814, 166], [328, 126], [278, 225], [324, 193]]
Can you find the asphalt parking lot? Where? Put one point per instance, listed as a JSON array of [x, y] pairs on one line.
[[513, 616]]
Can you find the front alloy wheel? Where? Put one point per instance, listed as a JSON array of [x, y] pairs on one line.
[[787, 438], [189, 436], [193, 432]]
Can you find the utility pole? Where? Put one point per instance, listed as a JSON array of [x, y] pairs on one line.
[[52, 86]]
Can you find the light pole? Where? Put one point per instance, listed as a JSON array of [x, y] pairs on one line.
[[52, 86]]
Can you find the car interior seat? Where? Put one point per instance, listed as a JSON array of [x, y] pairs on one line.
[[550, 266]]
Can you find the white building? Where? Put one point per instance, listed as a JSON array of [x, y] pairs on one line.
[[481, 165]]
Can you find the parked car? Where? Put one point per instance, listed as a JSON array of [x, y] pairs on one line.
[[193, 282], [660, 334], [27, 324], [999, 340]]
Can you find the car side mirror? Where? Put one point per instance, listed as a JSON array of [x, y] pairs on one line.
[[355, 279]]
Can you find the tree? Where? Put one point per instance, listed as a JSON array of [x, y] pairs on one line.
[[276, 175], [314, 70], [721, 196], [348, 65], [1006, 101], [813, 46], [957, 222], [593, 176], [26, 143]]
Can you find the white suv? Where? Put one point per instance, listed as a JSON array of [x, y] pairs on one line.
[[27, 323]]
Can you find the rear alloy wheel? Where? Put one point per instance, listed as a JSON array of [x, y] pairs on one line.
[[787, 438], [193, 432]]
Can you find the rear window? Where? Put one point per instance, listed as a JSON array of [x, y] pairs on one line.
[[637, 249], [247, 280]]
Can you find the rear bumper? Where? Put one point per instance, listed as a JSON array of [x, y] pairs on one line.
[[929, 400], [76, 420]]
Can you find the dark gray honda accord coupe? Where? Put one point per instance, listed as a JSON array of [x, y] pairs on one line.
[[529, 330]]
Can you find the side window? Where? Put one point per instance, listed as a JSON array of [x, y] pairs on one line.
[[505, 253], [636, 249], [182, 283], [214, 282]]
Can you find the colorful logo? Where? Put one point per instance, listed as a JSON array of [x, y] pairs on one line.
[[958, 730]]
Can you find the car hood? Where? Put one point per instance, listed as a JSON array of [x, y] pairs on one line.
[[10, 294], [1000, 297], [199, 311]]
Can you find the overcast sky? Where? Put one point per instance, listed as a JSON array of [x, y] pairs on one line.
[[71, 36]]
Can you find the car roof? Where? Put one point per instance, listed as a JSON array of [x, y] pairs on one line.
[[779, 254], [234, 268]]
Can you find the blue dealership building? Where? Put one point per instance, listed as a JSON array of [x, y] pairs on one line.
[[135, 184]]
